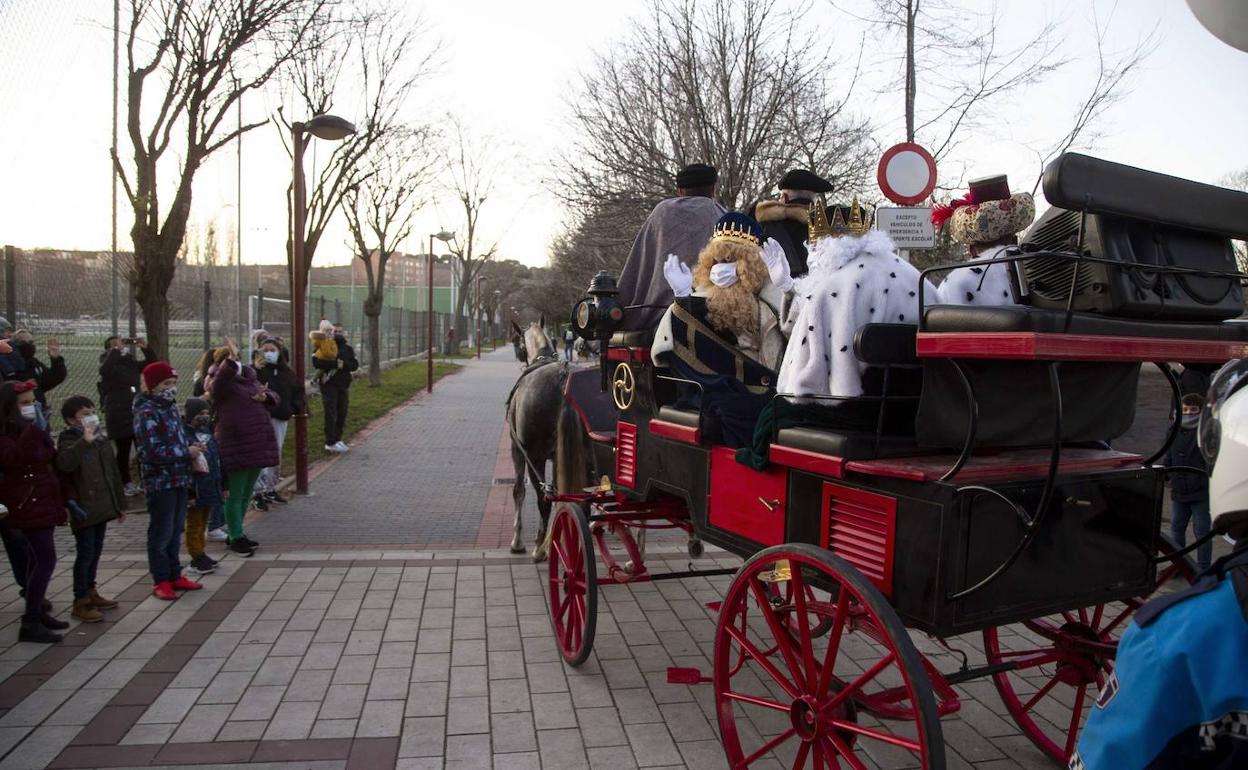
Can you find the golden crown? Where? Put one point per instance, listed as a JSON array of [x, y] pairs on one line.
[[818, 227], [735, 232], [858, 224]]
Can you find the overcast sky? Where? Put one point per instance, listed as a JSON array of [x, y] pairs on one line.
[[508, 70]]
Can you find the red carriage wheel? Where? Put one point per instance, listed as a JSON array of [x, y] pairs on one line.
[[781, 595], [1058, 678], [573, 583], [799, 697]]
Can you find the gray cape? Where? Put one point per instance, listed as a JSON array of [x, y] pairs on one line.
[[680, 226]]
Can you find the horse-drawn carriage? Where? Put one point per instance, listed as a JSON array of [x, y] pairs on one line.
[[1005, 512]]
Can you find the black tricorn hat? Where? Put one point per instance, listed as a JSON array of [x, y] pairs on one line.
[[696, 175], [801, 179]]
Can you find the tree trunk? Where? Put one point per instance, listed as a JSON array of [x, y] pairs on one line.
[[374, 346], [152, 276]]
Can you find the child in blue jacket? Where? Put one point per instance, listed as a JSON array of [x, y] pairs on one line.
[[206, 497]]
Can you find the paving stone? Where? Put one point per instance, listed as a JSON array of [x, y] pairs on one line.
[[150, 733], [40, 747], [652, 745], [561, 750], [308, 686], [528, 760], [613, 758], [509, 695], [276, 671], [601, 727], [343, 701], [322, 656], [242, 731], [388, 684], [513, 733], [426, 699], [636, 706], [467, 715], [431, 667], [422, 737], [79, 709], [202, 723], [381, 719], [553, 711], [258, 702], [469, 681], [293, 720], [171, 706], [226, 687], [396, 655], [334, 728]]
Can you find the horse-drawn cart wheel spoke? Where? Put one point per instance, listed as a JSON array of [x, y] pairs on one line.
[[756, 701], [1043, 691], [823, 709]]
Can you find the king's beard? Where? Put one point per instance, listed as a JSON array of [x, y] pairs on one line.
[[734, 308]]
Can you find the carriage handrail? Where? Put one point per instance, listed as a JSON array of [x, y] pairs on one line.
[[1176, 413], [1076, 257]]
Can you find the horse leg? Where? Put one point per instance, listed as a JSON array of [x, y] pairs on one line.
[[517, 495], [538, 477]]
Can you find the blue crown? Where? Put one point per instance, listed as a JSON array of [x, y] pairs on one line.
[[740, 228]]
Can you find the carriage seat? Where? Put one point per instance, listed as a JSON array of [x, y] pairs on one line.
[[848, 444], [1025, 318], [690, 418], [641, 338]]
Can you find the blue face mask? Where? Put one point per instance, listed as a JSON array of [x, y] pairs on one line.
[[270, 357], [1190, 420]]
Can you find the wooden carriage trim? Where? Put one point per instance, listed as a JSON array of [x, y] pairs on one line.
[[681, 433], [805, 460], [1009, 465], [1040, 346], [633, 355]]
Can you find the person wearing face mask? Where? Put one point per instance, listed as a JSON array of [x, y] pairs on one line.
[[45, 376], [165, 462], [31, 491], [336, 390], [95, 496], [120, 378], [276, 375], [1189, 492], [244, 436]]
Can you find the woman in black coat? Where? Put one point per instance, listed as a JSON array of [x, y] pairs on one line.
[[275, 372], [120, 374]]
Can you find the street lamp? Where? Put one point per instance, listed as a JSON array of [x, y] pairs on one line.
[[332, 128], [445, 237], [477, 320]]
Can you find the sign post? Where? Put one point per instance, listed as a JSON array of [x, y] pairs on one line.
[[907, 175]]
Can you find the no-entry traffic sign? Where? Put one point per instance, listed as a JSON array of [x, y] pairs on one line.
[[907, 174]]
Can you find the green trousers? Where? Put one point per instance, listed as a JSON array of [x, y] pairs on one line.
[[240, 483]]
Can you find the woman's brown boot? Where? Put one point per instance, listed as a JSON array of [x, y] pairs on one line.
[[85, 612]]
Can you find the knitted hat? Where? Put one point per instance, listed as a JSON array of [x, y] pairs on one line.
[[194, 407], [157, 372]]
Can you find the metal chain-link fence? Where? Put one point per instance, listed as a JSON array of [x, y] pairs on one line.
[[70, 297]]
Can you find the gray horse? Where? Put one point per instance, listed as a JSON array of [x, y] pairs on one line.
[[544, 428]]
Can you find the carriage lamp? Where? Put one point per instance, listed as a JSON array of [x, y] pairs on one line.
[[598, 316]]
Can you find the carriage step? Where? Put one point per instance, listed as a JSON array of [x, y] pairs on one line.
[[714, 606], [679, 675]]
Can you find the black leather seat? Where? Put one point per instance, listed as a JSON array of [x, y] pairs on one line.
[[850, 445], [687, 417], [1024, 318]]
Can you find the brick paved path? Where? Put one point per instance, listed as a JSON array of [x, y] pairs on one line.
[[420, 480], [340, 645]]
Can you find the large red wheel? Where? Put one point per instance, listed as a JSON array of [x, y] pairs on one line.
[[782, 693], [573, 583], [1061, 661]]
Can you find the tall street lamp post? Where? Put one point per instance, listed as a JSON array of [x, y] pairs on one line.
[[445, 237], [333, 128]]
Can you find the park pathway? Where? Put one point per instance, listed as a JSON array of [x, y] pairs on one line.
[[421, 479]]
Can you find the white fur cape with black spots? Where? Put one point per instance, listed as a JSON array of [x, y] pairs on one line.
[[985, 286], [852, 281]]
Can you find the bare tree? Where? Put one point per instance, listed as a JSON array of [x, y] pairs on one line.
[[472, 165], [1109, 86], [187, 64], [363, 65], [953, 65], [734, 83], [379, 212]]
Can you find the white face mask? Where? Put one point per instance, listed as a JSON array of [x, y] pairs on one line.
[[270, 356], [28, 411], [724, 274], [91, 421]]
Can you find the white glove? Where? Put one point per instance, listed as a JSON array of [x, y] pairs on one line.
[[777, 265], [678, 276]]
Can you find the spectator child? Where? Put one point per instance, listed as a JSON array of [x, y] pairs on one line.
[[324, 347], [275, 374], [95, 495], [569, 339], [45, 377], [120, 377], [200, 377], [336, 391], [165, 460], [31, 491], [206, 488], [244, 436], [1189, 492]]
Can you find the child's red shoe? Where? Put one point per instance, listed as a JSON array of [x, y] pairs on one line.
[[183, 583], [164, 590]]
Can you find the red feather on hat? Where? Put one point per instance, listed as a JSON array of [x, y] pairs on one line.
[[942, 212]]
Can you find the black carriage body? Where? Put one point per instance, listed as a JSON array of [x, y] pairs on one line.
[[922, 542]]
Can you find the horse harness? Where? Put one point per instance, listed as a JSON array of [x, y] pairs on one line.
[[538, 363]]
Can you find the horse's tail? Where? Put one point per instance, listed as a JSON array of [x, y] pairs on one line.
[[571, 466]]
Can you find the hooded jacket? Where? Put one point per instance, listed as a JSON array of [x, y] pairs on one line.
[[280, 379], [90, 469], [29, 486], [242, 429], [206, 490], [46, 376]]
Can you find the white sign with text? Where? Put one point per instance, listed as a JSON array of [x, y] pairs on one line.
[[909, 227]]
